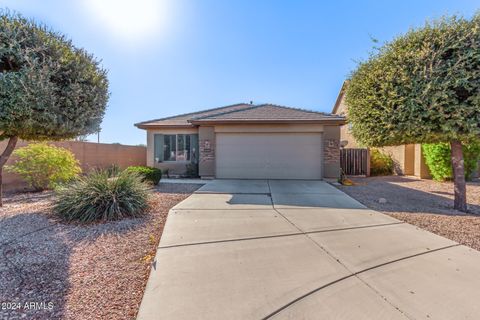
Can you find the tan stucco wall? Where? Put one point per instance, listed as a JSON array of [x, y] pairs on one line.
[[398, 155], [403, 157], [331, 167], [346, 138], [409, 165], [175, 168], [421, 169], [90, 155], [408, 160]]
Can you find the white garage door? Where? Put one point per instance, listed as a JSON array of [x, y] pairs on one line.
[[269, 155]]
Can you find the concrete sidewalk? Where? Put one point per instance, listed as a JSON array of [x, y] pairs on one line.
[[303, 250]]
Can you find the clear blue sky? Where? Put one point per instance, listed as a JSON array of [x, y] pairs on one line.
[[167, 57]]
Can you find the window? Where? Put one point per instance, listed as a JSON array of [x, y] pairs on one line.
[[176, 147], [183, 149], [169, 147]]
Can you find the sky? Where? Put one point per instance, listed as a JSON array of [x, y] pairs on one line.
[[167, 57]]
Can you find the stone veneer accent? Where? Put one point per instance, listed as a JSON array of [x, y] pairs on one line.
[[206, 165], [331, 151], [207, 153]]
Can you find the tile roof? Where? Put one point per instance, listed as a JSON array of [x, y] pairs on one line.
[[182, 119], [243, 112], [268, 112]]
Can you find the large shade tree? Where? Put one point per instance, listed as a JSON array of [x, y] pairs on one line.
[[422, 87], [49, 89]]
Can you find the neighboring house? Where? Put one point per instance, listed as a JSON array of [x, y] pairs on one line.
[[247, 141], [408, 158]]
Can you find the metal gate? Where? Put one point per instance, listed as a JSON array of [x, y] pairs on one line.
[[355, 162]]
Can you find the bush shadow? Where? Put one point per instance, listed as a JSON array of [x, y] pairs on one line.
[[178, 188]]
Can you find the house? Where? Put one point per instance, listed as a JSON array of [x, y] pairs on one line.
[[247, 141], [408, 158]]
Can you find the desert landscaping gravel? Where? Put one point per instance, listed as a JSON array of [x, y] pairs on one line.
[[425, 203], [50, 269]]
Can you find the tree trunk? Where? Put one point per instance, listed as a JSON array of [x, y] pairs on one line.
[[460, 202], [12, 142]]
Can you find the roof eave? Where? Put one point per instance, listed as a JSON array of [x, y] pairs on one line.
[[333, 121], [160, 126]]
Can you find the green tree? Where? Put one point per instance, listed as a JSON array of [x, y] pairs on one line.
[[422, 87], [439, 161], [45, 166], [49, 89]]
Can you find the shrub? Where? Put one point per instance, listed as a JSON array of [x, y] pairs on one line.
[[166, 172], [437, 158], [113, 170], [148, 174], [192, 170], [471, 156], [44, 166], [98, 197], [380, 163], [439, 162]]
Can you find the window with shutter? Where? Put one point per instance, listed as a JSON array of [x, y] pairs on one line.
[[158, 147], [194, 148], [176, 147]]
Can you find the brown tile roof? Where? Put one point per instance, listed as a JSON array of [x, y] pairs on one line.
[[182, 119], [241, 113], [268, 112]]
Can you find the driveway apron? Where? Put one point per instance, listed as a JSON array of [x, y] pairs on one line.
[[288, 249]]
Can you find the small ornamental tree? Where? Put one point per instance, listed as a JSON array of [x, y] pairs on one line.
[[49, 89], [45, 166], [422, 87]]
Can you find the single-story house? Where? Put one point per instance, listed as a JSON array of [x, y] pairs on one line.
[[247, 141], [408, 158]]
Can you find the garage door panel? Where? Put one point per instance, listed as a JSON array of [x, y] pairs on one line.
[[269, 155]]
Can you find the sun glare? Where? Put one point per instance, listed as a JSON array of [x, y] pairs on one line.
[[131, 20]]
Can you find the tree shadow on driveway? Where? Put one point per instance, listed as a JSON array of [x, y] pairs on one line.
[[405, 194]]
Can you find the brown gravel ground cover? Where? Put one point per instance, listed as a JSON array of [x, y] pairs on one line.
[[425, 203], [95, 271]]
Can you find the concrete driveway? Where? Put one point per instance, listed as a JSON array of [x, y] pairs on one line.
[[258, 249]]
